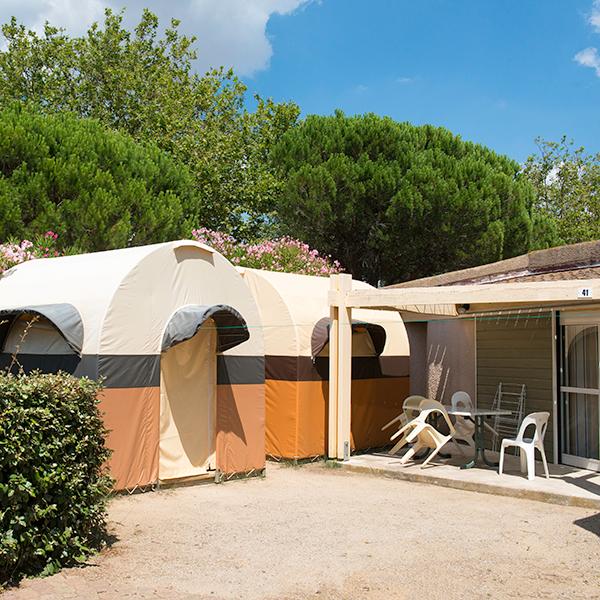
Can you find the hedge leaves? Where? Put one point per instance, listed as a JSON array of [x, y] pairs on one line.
[[53, 486]]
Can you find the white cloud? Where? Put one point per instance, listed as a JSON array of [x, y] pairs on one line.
[[589, 58], [404, 80], [72, 15], [594, 17], [231, 33]]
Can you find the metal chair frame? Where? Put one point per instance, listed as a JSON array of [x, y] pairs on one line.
[[512, 397]]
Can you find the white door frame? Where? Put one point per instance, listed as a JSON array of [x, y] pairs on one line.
[[590, 319]]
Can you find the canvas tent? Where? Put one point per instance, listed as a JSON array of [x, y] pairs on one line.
[[295, 315], [175, 334]]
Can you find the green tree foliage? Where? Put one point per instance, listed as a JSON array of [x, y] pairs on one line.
[[144, 84], [97, 188], [567, 184], [392, 201], [53, 487]]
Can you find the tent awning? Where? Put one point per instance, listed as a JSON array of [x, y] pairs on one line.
[[65, 318], [320, 335], [232, 329]]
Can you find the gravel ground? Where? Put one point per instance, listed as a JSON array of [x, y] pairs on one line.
[[317, 532]]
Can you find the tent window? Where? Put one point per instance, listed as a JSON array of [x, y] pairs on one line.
[[368, 339], [362, 345], [33, 334]]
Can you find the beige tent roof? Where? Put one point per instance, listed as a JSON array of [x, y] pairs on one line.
[[126, 297], [296, 303]]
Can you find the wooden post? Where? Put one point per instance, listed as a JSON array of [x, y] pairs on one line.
[[340, 369], [333, 377], [344, 372]]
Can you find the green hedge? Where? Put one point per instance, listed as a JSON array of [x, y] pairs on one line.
[[53, 486]]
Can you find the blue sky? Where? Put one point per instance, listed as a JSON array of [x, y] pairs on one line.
[[497, 72]]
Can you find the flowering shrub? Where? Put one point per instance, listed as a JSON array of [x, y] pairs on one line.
[[13, 253], [282, 254]]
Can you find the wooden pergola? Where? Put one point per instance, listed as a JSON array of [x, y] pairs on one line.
[[441, 302]]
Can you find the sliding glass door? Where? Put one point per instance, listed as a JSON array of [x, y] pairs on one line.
[[580, 391]]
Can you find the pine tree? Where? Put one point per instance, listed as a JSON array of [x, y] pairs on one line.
[[392, 201]]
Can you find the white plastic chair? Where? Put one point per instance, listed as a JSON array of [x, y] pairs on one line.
[[410, 409], [424, 435], [527, 446], [464, 428]]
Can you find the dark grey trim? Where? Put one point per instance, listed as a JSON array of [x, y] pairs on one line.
[[237, 370], [303, 368], [85, 366], [394, 366], [320, 335], [185, 322], [65, 318], [127, 371], [117, 370]]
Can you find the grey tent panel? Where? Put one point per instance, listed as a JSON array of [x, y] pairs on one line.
[[231, 326], [320, 335], [64, 317]]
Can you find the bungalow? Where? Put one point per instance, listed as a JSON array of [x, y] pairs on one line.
[[531, 321]]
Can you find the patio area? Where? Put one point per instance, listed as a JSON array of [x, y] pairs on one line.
[[568, 486]]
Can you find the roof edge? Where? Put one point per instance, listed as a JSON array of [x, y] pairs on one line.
[[559, 258]]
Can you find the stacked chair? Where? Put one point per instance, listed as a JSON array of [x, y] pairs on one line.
[[410, 410], [464, 428], [417, 428]]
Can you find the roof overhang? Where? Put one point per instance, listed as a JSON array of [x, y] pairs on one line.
[[458, 300]]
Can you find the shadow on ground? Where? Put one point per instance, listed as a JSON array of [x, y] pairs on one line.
[[591, 524]]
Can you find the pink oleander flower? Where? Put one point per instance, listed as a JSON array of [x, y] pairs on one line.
[[12, 253], [284, 254]]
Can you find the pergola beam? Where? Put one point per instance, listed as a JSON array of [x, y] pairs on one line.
[[446, 299]]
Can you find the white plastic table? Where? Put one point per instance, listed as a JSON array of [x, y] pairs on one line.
[[478, 417]]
